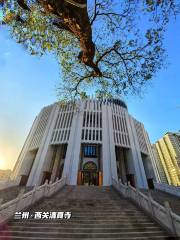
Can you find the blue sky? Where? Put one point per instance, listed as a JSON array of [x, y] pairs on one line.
[[28, 83]]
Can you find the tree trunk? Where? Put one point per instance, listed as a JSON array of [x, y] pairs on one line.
[[72, 16]]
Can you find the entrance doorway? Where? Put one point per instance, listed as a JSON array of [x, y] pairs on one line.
[[90, 178], [89, 174]]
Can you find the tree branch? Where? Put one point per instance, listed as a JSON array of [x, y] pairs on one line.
[[23, 5], [95, 12]]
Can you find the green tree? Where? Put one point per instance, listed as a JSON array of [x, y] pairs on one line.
[[113, 47]]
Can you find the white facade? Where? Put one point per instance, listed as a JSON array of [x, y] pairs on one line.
[[86, 142]]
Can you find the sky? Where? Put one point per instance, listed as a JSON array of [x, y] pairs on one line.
[[28, 83]]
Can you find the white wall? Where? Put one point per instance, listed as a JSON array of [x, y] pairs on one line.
[[118, 128]]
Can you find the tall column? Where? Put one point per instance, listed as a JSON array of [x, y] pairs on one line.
[[18, 170], [108, 147], [105, 149], [73, 150], [39, 162], [49, 159], [121, 158], [140, 175], [27, 163], [113, 164], [56, 163]]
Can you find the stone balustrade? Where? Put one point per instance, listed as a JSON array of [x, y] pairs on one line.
[[168, 188], [162, 214], [25, 200]]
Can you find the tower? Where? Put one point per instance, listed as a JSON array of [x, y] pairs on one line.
[[167, 155]]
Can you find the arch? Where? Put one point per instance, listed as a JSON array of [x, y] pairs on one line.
[[89, 166]]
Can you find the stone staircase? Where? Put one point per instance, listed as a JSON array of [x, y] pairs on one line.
[[97, 213]]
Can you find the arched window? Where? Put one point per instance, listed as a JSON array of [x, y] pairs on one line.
[[90, 166]]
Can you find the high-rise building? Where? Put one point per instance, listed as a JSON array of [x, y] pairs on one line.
[[160, 170], [167, 158], [89, 142]]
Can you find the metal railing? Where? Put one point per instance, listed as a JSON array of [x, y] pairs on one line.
[[25, 200], [162, 214]]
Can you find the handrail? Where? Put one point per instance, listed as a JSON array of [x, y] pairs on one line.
[[162, 214], [174, 190], [25, 200]]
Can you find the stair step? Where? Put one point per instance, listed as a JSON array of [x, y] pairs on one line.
[[97, 213], [91, 221], [84, 235], [86, 225], [112, 238], [115, 218], [85, 211], [85, 230]]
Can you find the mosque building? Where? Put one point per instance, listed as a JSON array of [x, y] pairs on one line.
[[89, 142]]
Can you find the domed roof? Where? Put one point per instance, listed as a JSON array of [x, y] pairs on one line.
[[118, 102]]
